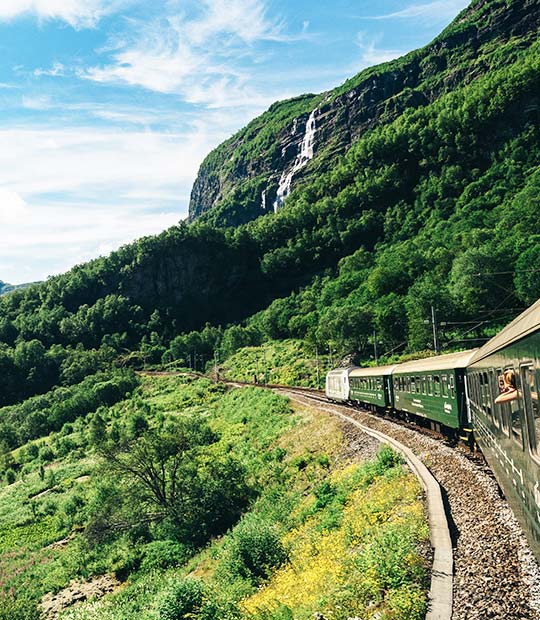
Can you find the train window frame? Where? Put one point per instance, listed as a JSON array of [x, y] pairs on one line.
[[430, 385], [515, 410], [413, 385], [437, 386], [444, 386], [452, 386], [504, 411], [492, 377], [488, 409], [424, 386], [533, 433]]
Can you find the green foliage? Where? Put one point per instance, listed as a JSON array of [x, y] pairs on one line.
[[183, 601], [163, 554], [253, 551], [175, 477]]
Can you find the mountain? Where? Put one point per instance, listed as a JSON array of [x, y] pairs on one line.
[[7, 288], [245, 177], [415, 185]]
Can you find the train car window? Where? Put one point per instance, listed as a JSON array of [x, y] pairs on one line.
[[424, 391], [529, 385], [413, 385], [504, 409], [430, 385], [444, 386], [436, 385], [516, 414], [379, 384], [488, 397], [409, 385], [482, 402], [452, 386], [494, 390]]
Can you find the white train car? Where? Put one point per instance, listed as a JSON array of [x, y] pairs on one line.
[[337, 384]]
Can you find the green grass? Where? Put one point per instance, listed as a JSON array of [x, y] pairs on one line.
[[304, 490], [284, 362]]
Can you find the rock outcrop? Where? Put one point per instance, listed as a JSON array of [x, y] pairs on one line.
[[243, 176]]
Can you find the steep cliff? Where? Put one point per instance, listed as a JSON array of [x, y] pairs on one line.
[[254, 171]]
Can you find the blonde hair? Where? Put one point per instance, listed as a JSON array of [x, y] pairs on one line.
[[510, 378]]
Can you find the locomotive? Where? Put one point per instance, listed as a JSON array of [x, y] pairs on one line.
[[487, 395]]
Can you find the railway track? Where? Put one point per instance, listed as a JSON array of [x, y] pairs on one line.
[[495, 575]]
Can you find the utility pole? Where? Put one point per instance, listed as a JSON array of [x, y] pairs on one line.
[[216, 366], [375, 346], [435, 331], [318, 371]]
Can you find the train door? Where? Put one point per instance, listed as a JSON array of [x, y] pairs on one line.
[[529, 386]]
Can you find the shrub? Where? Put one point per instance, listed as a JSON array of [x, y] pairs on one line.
[[254, 551], [10, 476], [387, 458], [182, 601], [162, 554]]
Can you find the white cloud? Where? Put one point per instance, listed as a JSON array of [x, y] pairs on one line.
[[77, 13], [58, 69], [80, 159], [41, 102], [371, 54], [66, 194], [431, 12], [13, 208], [46, 239], [200, 58]]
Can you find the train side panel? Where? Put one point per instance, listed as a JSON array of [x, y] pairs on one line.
[[509, 433], [438, 396]]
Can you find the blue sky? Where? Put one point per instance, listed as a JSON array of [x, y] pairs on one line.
[[109, 106]]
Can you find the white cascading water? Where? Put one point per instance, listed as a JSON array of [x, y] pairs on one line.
[[306, 153]]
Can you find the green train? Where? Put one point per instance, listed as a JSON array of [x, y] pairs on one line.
[[487, 395]]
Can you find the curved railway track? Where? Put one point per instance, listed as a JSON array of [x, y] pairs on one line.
[[495, 575]]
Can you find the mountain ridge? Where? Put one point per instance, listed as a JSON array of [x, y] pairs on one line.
[[406, 219], [373, 97]]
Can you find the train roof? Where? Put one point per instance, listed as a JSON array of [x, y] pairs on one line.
[[341, 371], [526, 323], [440, 362], [372, 371]]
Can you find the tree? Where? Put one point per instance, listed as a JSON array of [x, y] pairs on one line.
[[176, 477]]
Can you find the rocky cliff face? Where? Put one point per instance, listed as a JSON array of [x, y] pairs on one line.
[[247, 175]]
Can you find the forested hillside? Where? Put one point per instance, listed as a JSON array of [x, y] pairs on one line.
[[432, 202]]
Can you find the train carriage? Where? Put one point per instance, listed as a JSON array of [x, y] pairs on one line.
[[337, 384], [508, 432], [434, 389], [372, 386]]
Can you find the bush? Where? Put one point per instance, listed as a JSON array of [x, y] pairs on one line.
[[10, 476], [254, 551], [183, 600], [387, 458], [163, 554]]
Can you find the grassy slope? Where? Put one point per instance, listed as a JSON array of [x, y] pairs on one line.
[[358, 527], [285, 362]]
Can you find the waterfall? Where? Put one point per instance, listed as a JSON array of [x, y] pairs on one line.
[[305, 154]]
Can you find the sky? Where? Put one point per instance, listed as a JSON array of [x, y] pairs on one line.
[[109, 106]]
